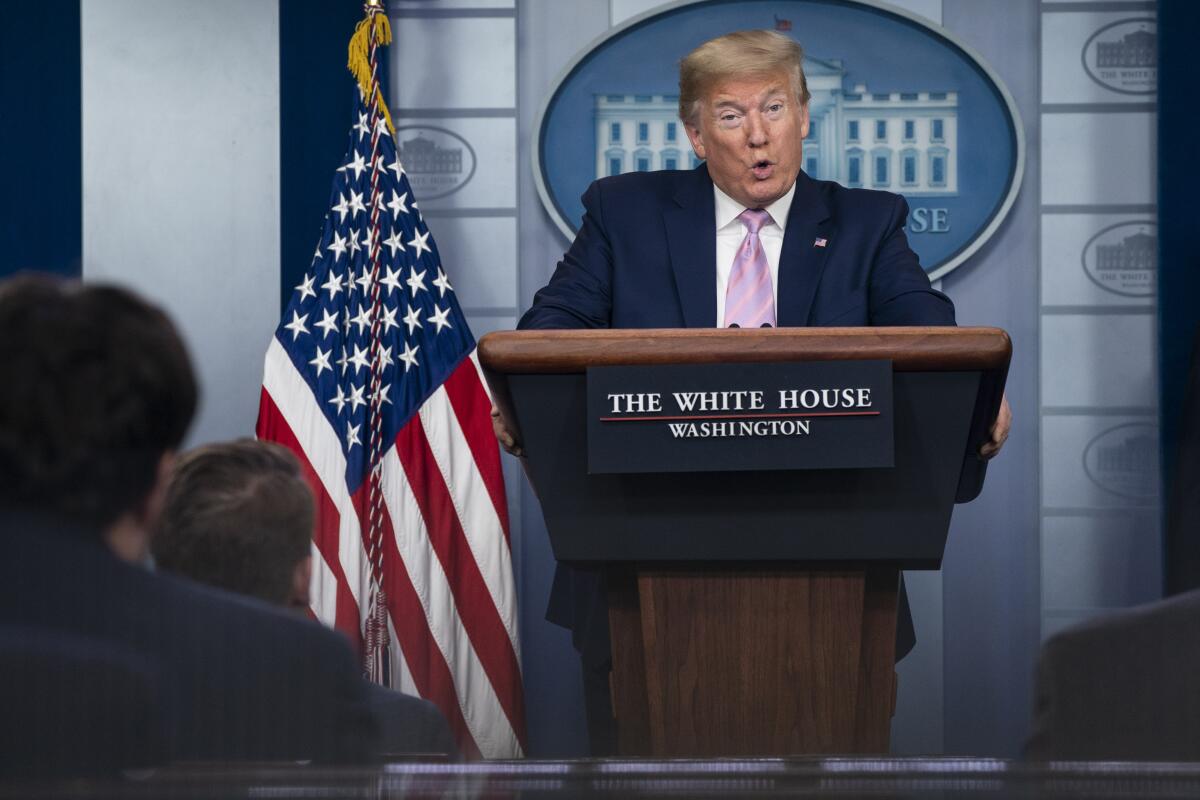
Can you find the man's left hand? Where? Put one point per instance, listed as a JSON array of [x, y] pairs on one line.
[[503, 434], [999, 431]]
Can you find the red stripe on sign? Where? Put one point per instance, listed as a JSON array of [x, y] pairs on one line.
[[274, 427], [473, 410], [478, 612], [426, 663]]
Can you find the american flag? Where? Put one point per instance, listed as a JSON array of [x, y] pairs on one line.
[[372, 380]]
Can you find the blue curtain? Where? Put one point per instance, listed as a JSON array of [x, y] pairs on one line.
[[316, 103], [1179, 288], [41, 218]]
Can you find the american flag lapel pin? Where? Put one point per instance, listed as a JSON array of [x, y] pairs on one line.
[[820, 241]]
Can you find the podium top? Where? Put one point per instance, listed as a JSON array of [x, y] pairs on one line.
[[910, 349]]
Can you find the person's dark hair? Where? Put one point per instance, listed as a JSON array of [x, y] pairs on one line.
[[97, 388], [238, 515]]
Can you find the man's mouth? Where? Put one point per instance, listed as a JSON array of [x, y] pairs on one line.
[[762, 169]]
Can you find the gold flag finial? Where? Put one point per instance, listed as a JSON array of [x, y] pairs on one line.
[[372, 31]]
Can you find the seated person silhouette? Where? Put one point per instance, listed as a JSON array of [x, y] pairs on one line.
[[98, 394], [239, 516], [1122, 687]]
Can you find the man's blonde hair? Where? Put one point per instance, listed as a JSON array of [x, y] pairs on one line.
[[741, 54]]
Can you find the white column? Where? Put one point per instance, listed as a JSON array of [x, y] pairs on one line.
[[181, 179]]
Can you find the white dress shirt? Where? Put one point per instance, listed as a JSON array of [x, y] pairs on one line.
[[730, 233]]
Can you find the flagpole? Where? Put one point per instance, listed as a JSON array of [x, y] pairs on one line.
[[372, 32]]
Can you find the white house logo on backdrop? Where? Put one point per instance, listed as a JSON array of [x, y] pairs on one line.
[[1123, 56], [898, 141], [1124, 460], [1123, 258], [438, 162], [897, 104]]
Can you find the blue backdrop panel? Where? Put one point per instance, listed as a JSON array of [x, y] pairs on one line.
[[41, 220], [1178, 281], [316, 104]]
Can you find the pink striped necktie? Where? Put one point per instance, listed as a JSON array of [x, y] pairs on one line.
[[749, 298]]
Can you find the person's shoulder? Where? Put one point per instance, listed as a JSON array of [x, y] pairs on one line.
[[660, 184], [218, 602], [843, 199], [245, 617], [410, 724], [386, 699], [1159, 620]]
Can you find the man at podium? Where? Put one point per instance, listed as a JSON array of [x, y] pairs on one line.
[[744, 240]]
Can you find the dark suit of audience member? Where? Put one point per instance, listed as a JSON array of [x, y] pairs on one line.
[[74, 706], [239, 516], [410, 725], [1123, 687], [98, 393]]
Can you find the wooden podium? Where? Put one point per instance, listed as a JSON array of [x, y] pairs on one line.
[[754, 613]]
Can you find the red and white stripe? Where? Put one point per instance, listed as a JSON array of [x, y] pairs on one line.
[[447, 567]]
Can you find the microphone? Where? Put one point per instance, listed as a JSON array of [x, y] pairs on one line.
[[734, 325], [766, 325]]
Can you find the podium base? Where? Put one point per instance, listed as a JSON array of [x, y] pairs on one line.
[[724, 659]]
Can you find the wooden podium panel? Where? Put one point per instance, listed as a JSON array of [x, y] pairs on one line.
[[766, 661]]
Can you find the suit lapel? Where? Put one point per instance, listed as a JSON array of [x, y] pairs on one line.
[[801, 261], [691, 233]]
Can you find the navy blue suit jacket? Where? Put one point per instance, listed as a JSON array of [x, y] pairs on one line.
[[241, 680], [410, 725], [645, 257]]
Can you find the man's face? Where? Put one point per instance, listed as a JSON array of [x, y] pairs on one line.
[[751, 132]]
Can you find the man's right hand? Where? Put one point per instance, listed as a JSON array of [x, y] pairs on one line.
[[503, 435]]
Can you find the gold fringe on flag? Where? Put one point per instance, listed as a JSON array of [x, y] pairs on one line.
[[374, 29]]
